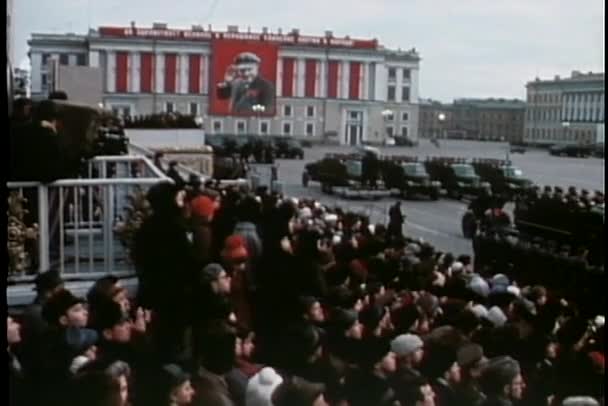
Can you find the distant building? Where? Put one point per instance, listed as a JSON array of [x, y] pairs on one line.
[[474, 119], [324, 86], [565, 110]]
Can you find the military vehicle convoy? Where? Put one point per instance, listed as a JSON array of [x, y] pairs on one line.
[[505, 179], [409, 176], [457, 176]]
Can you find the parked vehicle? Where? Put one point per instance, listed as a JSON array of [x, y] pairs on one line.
[[581, 151]]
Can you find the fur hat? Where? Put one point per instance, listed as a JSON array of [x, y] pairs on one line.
[[580, 401], [47, 281], [406, 344], [58, 305], [371, 316], [498, 372], [172, 376], [479, 286], [110, 314], [496, 317], [235, 247], [343, 320], [480, 311], [470, 355], [211, 272], [261, 387], [296, 392]]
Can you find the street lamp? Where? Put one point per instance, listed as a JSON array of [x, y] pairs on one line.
[[198, 121], [259, 109], [441, 118], [565, 126]]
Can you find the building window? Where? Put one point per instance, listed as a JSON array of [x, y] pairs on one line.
[[404, 116], [354, 115], [217, 126], [240, 127], [390, 130], [310, 111], [406, 74], [169, 107], [193, 109], [286, 128], [392, 73], [405, 94], [404, 131], [391, 93], [264, 126], [44, 79], [45, 59], [287, 111], [64, 59], [310, 129], [81, 59]]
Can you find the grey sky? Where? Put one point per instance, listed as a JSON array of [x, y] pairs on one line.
[[469, 48]]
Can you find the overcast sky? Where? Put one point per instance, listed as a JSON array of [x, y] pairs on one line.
[[469, 48]]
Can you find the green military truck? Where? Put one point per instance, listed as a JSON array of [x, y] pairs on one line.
[[457, 176], [409, 176], [505, 179]]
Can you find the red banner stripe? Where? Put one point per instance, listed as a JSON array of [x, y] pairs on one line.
[[311, 74], [332, 80], [145, 72], [288, 67], [121, 72], [170, 70], [355, 79], [194, 73]]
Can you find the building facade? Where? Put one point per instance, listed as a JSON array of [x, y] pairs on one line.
[[565, 110], [474, 119], [325, 86]]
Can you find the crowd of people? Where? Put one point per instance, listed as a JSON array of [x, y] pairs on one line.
[[161, 120], [256, 299]]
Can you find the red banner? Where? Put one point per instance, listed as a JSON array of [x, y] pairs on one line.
[[288, 74], [121, 72], [195, 74], [332, 83], [170, 70], [146, 72], [355, 79], [311, 75], [243, 75]]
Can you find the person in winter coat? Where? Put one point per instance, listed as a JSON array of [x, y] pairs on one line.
[[165, 265], [395, 222], [502, 382], [202, 213], [409, 349], [15, 371], [442, 369], [235, 258], [299, 392], [249, 212], [471, 361], [175, 387], [261, 387]]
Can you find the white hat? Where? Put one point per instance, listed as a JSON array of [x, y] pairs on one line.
[[599, 321], [406, 344], [496, 316], [79, 362], [305, 213], [457, 266], [480, 311], [580, 401], [261, 386]]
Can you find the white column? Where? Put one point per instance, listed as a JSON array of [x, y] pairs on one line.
[[72, 60], [36, 76], [414, 82], [381, 82], [300, 77], [111, 71], [322, 78], [205, 85], [279, 82], [398, 85], [94, 59], [183, 74], [364, 85], [343, 90], [160, 73], [134, 72], [600, 113]]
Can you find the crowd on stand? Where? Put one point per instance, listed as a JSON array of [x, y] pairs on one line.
[[256, 299], [161, 120]]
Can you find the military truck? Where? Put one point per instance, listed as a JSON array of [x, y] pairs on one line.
[[409, 176], [457, 176], [286, 147], [344, 175], [505, 179]]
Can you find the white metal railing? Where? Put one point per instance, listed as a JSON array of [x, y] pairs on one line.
[[77, 217]]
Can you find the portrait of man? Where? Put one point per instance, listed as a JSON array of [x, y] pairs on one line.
[[244, 86]]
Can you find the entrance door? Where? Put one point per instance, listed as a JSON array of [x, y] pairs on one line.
[[353, 134]]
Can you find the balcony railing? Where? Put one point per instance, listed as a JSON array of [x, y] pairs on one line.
[[79, 219]]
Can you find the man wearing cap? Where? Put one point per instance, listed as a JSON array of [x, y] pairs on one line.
[[502, 382], [244, 85], [471, 360], [409, 350]]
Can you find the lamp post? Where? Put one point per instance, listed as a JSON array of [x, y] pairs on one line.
[[198, 120], [565, 127], [441, 118], [386, 115], [258, 109]]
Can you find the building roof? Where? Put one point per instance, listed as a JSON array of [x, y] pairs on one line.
[[575, 77], [491, 103]]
